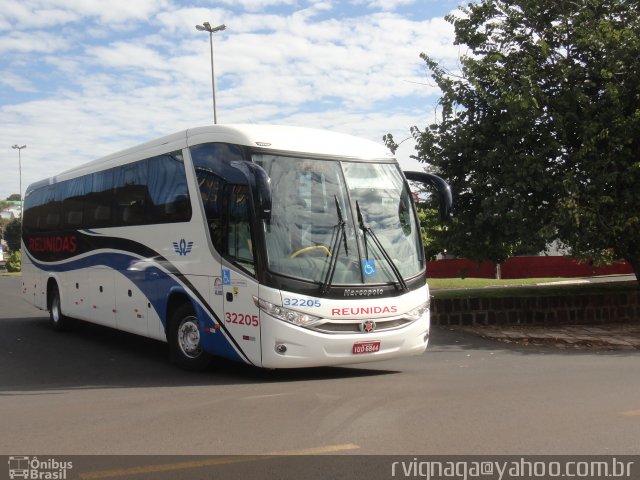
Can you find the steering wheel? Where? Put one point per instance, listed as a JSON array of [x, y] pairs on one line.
[[308, 249]]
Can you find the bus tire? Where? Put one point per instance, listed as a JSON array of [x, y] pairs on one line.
[[184, 340], [59, 321]]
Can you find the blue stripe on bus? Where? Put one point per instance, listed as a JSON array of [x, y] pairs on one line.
[[154, 284]]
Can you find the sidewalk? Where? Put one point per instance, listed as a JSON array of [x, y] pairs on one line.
[[615, 336]]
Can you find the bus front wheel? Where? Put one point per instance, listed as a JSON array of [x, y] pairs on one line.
[[59, 322], [185, 340]]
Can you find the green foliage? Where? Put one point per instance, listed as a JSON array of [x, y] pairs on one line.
[[12, 233], [539, 134], [432, 229], [14, 197], [14, 264]]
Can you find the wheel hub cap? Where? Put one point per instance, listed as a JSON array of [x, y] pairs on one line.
[[189, 338]]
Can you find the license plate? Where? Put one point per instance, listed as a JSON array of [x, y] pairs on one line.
[[365, 347]]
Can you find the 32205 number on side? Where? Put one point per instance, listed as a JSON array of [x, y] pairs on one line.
[[242, 319]]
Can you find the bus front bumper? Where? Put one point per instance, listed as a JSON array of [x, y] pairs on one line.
[[288, 346]]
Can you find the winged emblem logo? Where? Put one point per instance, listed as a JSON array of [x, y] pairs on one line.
[[182, 247]]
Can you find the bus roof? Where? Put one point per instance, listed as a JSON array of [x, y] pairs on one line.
[[276, 138], [292, 139]]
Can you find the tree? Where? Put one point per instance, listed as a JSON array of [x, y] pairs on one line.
[[539, 134], [14, 264], [14, 197], [431, 225], [12, 233]]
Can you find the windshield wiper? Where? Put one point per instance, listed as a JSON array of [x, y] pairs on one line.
[[341, 224], [335, 249], [367, 230]]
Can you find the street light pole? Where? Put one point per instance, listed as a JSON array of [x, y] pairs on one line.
[[206, 27], [20, 171]]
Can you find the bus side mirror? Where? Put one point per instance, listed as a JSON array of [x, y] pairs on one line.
[[444, 191], [260, 184]]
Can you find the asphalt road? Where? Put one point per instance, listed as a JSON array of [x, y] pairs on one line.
[[99, 391]]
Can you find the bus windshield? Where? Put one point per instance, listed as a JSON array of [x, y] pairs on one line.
[[314, 233]]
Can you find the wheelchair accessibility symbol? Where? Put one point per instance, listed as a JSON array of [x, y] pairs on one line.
[[369, 268]]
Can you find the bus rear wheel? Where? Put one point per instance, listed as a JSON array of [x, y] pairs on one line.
[[58, 320], [185, 340]]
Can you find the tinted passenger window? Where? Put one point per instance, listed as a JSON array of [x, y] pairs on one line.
[[168, 191], [131, 194], [152, 190], [98, 203], [74, 192]]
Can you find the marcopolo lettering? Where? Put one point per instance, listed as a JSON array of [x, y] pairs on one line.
[[55, 244], [362, 292], [346, 311]]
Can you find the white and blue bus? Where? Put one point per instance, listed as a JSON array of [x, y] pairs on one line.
[[274, 246]]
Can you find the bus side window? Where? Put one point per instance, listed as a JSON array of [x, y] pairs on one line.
[[239, 232], [52, 208], [131, 194], [98, 203], [212, 198], [168, 194], [225, 197]]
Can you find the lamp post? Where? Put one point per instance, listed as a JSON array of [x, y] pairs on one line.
[[206, 27], [20, 171]]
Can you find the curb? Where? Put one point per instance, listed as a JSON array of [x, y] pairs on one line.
[[611, 337]]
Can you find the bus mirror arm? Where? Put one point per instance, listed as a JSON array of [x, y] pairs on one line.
[[263, 189], [444, 191], [260, 184]]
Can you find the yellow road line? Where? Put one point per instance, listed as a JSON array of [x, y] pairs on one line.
[[318, 450], [170, 467], [632, 413]]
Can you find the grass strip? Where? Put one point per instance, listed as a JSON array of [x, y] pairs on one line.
[[499, 291]]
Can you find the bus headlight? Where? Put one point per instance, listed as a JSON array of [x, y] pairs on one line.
[[418, 312], [285, 314]]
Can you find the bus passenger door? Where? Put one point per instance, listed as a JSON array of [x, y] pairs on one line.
[[241, 316], [239, 287], [225, 195]]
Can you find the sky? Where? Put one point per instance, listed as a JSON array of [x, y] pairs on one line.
[[80, 79]]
